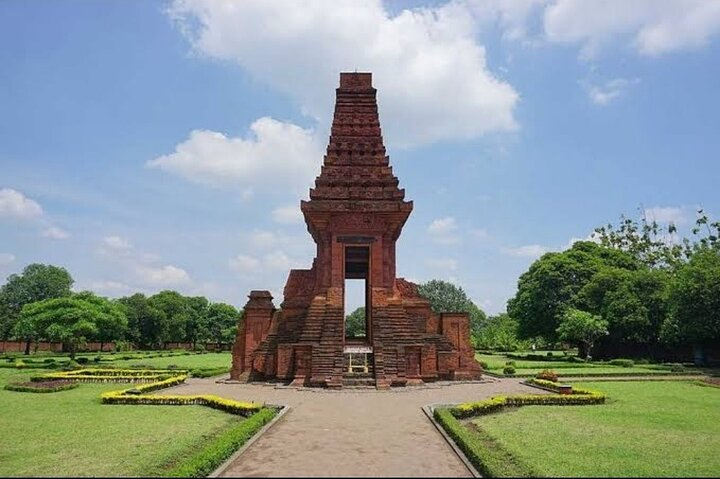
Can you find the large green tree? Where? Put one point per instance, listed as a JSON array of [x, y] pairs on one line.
[[36, 283], [551, 284], [147, 325], [222, 321], [499, 333], [111, 322], [446, 297], [178, 312], [72, 320], [695, 302], [581, 328]]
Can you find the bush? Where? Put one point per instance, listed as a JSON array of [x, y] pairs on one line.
[[122, 346], [549, 354], [20, 364], [509, 370], [547, 375], [48, 360], [484, 364], [199, 347], [82, 360], [625, 363], [510, 363], [97, 358], [208, 372], [676, 367], [642, 361], [70, 365]]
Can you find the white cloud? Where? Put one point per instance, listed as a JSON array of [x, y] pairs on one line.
[[162, 276], [290, 214], [6, 259], [652, 27], [14, 204], [668, 214], [480, 233], [447, 264], [55, 233], [610, 90], [416, 57], [528, 251], [275, 153], [245, 264], [280, 261], [443, 231], [116, 243], [112, 288]]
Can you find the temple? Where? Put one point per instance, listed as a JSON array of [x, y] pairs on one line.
[[355, 215]]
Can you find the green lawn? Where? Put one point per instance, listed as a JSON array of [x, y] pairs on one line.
[[207, 360], [646, 429], [496, 363], [70, 433]]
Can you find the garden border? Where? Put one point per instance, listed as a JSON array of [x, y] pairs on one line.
[[429, 411]]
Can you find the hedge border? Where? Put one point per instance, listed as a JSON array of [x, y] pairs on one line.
[[648, 374], [30, 389]]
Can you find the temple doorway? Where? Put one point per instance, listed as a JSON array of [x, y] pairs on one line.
[[357, 294]]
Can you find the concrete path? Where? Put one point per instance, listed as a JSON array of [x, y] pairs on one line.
[[352, 432]]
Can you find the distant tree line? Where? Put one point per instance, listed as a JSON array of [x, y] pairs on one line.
[[39, 305]]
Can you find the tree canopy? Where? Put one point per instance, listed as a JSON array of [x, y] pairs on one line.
[[445, 297]]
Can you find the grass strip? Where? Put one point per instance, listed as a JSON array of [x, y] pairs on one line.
[[484, 452], [212, 455]]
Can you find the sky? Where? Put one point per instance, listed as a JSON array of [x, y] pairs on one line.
[[167, 145]]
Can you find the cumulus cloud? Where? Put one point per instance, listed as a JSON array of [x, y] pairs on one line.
[[14, 204], [162, 276], [116, 243], [667, 214], [446, 264], [290, 214], [55, 233], [652, 27], [610, 90], [527, 251], [6, 259], [276, 261], [443, 230], [416, 57], [275, 153]]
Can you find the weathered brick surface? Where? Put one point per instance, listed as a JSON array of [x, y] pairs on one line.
[[356, 201]]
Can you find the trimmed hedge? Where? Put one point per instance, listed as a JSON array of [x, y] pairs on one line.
[[497, 403], [624, 363], [112, 375], [208, 372], [482, 451], [206, 460], [29, 389]]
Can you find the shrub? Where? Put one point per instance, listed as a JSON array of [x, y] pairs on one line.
[[676, 367], [510, 363], [97, 358], [47, 387], [20, 364], [70, 365], [123, 346], [126, 357], [625, 363], [484, 364], [199, 348], [82, 360], [547, 375], [209, 372], [48, 360], [549, 354], [509, 370]]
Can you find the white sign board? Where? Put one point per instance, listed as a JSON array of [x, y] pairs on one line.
[[358, 349]]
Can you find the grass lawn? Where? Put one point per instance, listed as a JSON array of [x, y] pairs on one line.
[[666, 429], [70, 433], [192, 361], [496, 363]]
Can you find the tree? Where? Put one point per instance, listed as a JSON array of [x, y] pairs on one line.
[[71, 320], [36, 283], [147, 325], [551, 284], [581, 328], [499, 333], [111, 322], [222, 321], [177, 311], [695, 302], [355, 323], [445, 297]]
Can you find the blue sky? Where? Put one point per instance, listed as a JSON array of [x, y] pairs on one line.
[[154, 145]]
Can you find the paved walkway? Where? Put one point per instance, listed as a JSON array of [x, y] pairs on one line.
[[352, 432]]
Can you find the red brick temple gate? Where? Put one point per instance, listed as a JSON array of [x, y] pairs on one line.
[[355, 215]]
